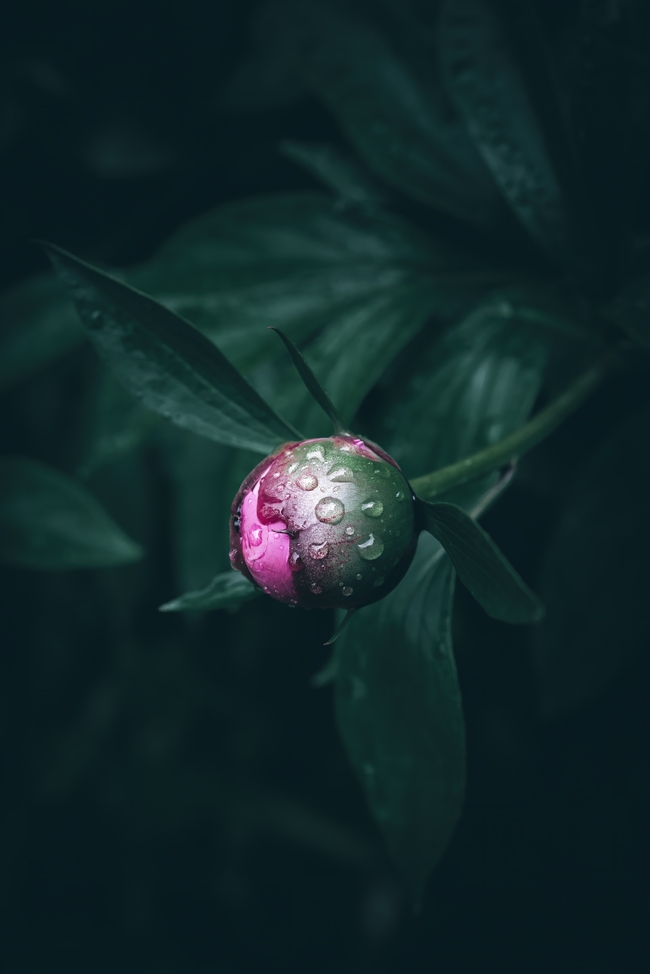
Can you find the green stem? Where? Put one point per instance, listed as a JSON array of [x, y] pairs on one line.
[[513, 447]]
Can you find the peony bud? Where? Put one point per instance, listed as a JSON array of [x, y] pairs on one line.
[[324, 523]]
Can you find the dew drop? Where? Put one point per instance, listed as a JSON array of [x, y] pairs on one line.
[[295, 562], [292, 467], [316, 589], [379, 581], [399, 495], [316, 455], [372, 508], [382, 471], [349, 530], [318, 550], [307, 481], [371, 549], [358, 576], [346, 590], [341, 475], [255, 536], [330, 510]]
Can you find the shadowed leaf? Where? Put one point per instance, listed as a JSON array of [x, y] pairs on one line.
[[228, 590]]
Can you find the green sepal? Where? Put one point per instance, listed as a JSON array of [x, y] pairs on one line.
[[481, 566]]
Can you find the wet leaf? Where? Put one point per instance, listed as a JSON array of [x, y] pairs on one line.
[[486, 84], [50, 522], [167, 363], [399, 712], [484, 569]]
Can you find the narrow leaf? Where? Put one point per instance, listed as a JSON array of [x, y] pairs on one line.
[[340, 173], [228, 590], [49, 521], [485, 571], [312, 384], [167, 363], [399, 712]]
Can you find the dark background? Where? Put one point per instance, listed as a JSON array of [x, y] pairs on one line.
[[175, 796]]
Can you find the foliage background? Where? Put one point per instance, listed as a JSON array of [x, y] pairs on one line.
[[176, 796]]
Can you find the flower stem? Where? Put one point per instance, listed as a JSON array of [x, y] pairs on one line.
[[513, 447]]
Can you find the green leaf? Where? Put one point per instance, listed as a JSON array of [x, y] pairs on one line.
[[395, 112], [485, 82], [399, 712], [167, 363], [312, 384], [228, 590], [485, 571], [465, 389], [340, 173], [594, 576], [292, 261], [49, 521], [38, 325]]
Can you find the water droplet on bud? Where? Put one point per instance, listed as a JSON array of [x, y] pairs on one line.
[[346, 590], [316, 589], [341, 475], [349, 530], [371, 549], [372, 508], [255, 536], [318, 550], [330, 510], [295, 562], [379, 581], [358, 576], [399, 495], [307, 481]]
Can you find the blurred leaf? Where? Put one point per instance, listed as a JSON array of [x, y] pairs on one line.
[[594, 578], [486, 572], [227, 591], [486, 84], [167, 362], [398, 118], [630, 309], [467, 389], [350, 183], [38, 325], [293, 261], [399, 713], [49, 521], [120, 425]]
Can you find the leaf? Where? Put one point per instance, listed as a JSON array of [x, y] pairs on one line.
[[340, 173], [38, 325], [292, 261], [49, 521], [485, 571], [594, 576], [312, 384], [167, 363], [399, 712], [487, 87], [396, 114], [228, 590], [465, 389]]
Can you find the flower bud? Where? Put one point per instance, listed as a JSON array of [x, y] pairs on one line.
[[324, 523]]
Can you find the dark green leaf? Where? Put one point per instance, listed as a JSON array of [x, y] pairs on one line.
[[49, 521], [485, 571], [312, 384], [396, 114], [486, 84], [293, 261], [594, 578], [227, 591], [38, 325], [350, 183], [466, 389], [167, 363], [399, 712]]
